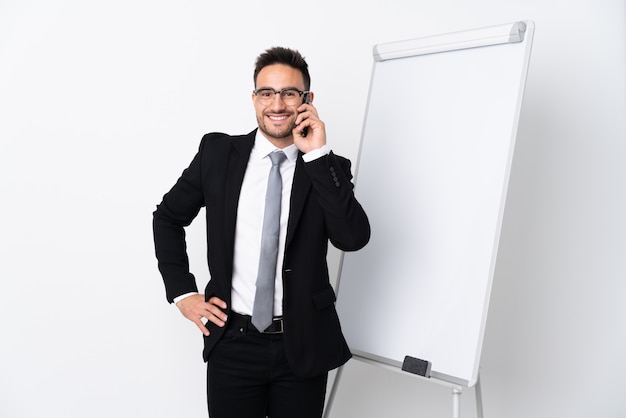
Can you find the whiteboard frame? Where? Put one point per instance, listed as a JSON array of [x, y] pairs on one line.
[[516, 32]]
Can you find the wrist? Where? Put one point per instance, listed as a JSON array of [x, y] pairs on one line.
[[183, 296]]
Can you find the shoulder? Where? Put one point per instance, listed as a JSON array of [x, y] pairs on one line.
[[219, 141], [216, 138]]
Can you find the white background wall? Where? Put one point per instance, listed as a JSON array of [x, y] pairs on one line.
[[102, 105]]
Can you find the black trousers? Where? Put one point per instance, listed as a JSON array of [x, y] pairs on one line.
[[248, 377]]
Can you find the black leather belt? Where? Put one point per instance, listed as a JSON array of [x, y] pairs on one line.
[[238, 320]]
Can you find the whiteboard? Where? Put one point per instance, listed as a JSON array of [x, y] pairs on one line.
[[433, 169]]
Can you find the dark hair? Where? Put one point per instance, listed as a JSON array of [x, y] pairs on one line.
[[286, 56]]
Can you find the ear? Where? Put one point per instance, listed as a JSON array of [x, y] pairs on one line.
[[311, 97]]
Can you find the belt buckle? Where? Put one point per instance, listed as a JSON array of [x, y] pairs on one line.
[[275, 321]]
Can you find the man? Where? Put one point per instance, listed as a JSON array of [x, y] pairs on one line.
[[278, 371]]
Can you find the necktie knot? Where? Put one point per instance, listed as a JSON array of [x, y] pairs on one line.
[[277, 157]]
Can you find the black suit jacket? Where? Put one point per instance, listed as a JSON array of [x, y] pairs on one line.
[[322, 208]]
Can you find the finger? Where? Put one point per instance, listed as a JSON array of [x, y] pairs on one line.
[[303, 107], [214, 300], [299, 120], [214, 311], [202, 328], [218, 318], [299, 129]]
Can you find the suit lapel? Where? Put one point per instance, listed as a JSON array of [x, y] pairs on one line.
[[238, 161], [299, 191]]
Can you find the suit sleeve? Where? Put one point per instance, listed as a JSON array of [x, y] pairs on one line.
[[176, 211], [346, 221]]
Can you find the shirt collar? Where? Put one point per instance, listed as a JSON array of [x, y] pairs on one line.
[[263, 147]]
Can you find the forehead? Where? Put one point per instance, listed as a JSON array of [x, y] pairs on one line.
[[279, 76]]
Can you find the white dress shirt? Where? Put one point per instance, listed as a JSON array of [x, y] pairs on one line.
[[250, 224]]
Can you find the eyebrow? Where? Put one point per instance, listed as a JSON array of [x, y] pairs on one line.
[[268, 87]]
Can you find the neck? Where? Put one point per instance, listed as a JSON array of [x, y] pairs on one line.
[[279, 143]]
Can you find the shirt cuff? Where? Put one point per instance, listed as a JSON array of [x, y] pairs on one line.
[[183, 296], [316, 153]]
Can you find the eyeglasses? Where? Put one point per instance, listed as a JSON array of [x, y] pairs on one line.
[[289, 95]]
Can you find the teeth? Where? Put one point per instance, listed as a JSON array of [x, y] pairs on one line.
[[278, 118]]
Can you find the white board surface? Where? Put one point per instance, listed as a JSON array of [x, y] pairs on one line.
[[436, 151]]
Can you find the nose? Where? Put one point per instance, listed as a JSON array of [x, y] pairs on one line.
[[277, 102]]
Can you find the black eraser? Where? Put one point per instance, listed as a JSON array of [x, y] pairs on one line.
[[416, 366]]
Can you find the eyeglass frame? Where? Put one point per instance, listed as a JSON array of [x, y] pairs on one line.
[[281, 91]]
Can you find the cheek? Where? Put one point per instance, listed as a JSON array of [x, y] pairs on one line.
[[258, 110]]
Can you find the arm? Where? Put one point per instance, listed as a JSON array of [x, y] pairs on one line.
[[346, 221], [176, 211]]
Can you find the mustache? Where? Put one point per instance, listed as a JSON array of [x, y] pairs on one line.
[[267, 127]]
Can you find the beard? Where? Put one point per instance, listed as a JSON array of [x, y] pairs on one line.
[[278, 132]]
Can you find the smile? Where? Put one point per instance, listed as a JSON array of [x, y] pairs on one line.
[[277, 118]]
